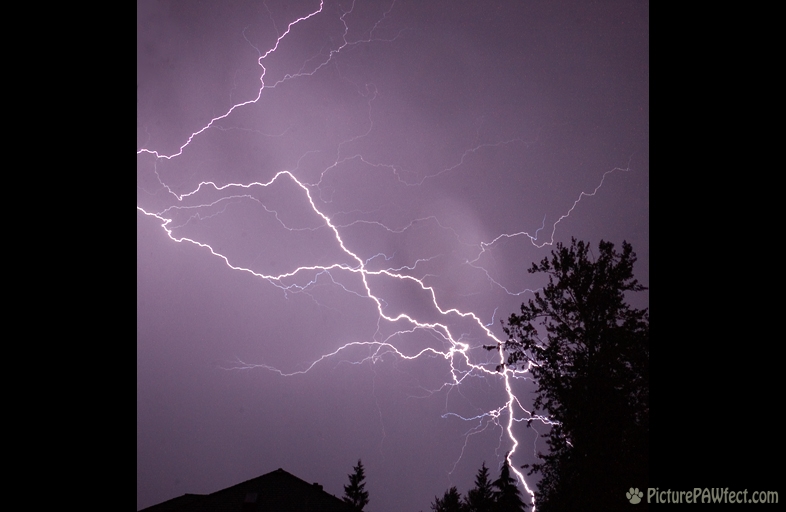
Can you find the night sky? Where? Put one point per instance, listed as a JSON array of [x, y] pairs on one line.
[[335, 213]]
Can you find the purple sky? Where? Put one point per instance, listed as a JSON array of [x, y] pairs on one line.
[[446, 143]]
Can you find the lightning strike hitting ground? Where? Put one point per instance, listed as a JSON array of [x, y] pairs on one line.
[[372, 269]]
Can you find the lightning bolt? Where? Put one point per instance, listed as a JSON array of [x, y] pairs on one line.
[[183, 208]]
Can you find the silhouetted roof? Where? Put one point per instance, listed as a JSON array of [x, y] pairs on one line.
[[277, 491]]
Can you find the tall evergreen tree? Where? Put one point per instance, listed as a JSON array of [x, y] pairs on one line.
[[450, 502], [588, 352], [507, 495], [481, 498], [355, 493]]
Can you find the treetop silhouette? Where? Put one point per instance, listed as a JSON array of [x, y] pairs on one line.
[[355, 493], [588, 353]]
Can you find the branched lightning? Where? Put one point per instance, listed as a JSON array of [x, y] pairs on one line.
[[355, 273]]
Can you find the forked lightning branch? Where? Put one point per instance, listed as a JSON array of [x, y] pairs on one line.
[[511, 410]]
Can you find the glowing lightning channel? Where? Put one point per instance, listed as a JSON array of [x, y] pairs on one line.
[[456, 355], [238, 105]]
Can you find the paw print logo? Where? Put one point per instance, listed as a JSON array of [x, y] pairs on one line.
[[634, 495]]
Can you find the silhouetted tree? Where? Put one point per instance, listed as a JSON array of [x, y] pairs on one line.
[[588, 352], [450, 502], [507, 497], [481, 498], [355, 493]]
